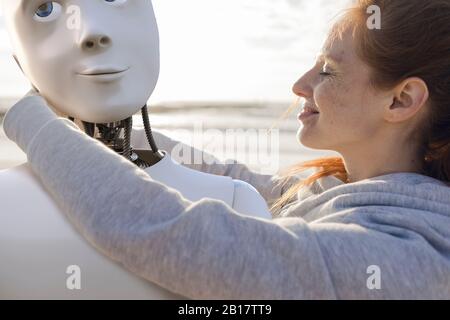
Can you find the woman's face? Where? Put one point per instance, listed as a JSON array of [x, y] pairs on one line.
[[341, 109]]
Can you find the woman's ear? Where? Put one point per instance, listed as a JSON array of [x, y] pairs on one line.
[[410, 97]]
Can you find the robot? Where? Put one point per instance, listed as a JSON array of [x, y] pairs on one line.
[[96, 62]]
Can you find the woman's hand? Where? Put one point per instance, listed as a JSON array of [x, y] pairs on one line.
[[33, 92], [24, 119]]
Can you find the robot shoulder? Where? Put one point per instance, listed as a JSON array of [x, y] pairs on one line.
[[247, 200]]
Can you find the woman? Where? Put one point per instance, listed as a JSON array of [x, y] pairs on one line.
[[372, 224]]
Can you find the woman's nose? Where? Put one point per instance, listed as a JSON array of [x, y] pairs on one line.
[[95, 42], [302, 88]]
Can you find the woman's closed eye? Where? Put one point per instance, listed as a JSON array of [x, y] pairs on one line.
[[326, 72]]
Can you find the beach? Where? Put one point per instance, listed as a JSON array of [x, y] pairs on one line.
[[226, 130]]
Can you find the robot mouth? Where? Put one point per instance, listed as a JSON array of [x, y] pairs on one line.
[[102, 71], [103, 74]]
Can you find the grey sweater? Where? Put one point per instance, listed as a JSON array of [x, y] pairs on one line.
[[386, 237]]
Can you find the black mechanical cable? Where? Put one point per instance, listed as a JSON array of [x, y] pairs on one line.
[[148, 130], [128, 124], [89, 128]]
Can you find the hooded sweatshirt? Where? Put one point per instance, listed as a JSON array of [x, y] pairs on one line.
[[387, 237]]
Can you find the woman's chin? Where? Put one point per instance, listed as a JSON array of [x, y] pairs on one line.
[[306, 139]]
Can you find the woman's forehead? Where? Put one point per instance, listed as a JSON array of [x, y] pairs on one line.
[[339, 47]]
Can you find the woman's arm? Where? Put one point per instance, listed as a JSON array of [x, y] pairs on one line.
[[268, 186], [199, 250], [205, 249]]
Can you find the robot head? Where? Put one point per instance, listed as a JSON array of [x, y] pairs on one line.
[[94, 60]]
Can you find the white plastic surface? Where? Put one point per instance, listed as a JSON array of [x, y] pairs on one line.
[[195, 185], [97, 61]]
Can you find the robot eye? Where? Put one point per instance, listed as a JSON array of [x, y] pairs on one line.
[[116, 2], [48, 11]]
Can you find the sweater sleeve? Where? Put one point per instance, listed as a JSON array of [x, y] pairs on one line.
[[205, 249], [271, 187], [197, 249]]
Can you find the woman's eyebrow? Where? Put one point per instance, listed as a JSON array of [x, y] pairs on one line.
[[327, 57]]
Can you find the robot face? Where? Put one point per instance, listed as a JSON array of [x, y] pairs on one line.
[[95, 60]]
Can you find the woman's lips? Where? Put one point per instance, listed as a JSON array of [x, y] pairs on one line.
[[307, 113]]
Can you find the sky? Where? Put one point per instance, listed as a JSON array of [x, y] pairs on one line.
[[223, 50]]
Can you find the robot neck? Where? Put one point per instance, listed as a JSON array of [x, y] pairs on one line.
[[117, 136]]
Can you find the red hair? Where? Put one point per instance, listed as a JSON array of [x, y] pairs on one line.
[[414, 41]]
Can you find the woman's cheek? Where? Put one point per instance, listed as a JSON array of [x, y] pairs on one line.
[[326, 99]]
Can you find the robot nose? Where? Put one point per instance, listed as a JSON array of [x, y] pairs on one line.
[[95, 42]]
